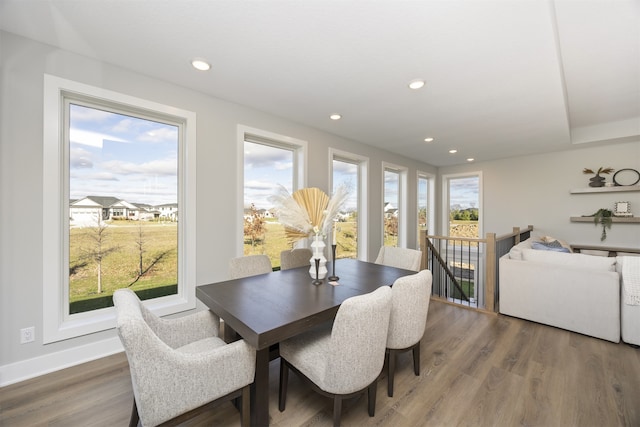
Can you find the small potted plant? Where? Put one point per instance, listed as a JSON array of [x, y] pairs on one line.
[[597, 180], [603, 217]]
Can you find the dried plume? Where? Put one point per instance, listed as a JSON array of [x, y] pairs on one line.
[[306, 211], [333, 208]]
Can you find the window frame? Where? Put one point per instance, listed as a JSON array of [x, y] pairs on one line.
[[58, 324], [363, 213], [299, 148]]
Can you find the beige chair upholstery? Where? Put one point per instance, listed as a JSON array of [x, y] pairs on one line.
[[409, 259], [346, 359], [178, 365], [295, 258], [409, 309], [250, 265]]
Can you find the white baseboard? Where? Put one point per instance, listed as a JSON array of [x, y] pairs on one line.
[[31, 368]]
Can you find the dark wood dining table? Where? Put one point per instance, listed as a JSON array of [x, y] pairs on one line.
[[269, 308]]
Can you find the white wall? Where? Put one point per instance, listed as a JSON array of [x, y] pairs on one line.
[[534, 190], [23, 63]]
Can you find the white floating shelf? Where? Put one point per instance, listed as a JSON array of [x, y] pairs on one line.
[[618, 189], [629, 219]]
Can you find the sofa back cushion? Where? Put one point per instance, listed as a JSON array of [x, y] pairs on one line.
[[516, 251], [586, 262]]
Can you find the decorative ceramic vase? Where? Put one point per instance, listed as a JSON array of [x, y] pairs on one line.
[[317, 249], [597, 181]]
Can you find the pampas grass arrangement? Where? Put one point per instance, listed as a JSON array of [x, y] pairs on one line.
[[308, 211]]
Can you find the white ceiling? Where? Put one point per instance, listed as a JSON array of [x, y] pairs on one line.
[[504, 78]]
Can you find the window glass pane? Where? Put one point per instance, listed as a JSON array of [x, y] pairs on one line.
[[123, 206], [346, 173], [423, 203], [265, 167], [463, 206], [391, 207]]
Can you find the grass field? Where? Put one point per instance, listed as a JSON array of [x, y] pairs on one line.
[[121, 254], [276, 242], [121, 258]]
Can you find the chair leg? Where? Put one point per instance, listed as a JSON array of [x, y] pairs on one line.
[[245, 414], [372, 390], [135, 417], [284, 380], [337, 410], [391, 361], [416, 359]]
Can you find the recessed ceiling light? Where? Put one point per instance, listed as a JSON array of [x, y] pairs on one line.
[[416, 84], [453, 151], [470, 159], [201, 64], [335, 117], [429, 139]]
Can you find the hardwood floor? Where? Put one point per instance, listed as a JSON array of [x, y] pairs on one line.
[[478, 369]]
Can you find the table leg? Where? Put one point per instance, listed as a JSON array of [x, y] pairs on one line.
[[260, 390], [229, 334]]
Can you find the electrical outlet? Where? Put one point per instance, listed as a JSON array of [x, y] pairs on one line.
[[27, 334]]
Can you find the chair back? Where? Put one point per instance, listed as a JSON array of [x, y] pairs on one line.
[[250, 265], [409, 259], [142, 346], [409, 309], [358, 341], [295, 258]]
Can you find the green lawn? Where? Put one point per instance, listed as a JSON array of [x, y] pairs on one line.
[[120, 261], [276, 242]]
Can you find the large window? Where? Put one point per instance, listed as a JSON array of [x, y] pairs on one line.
[[268, 161], [394, 209], [463, 197], [391, 209], [425, 214], [350, 170], [119, 206], [123, 203]]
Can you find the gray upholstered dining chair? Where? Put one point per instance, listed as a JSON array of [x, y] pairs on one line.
[[295, 258], [180, 366], [346, 359], [409, 309], [249, 265], [409, 259]]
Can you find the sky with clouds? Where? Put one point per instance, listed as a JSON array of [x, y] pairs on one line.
[[122, 156], [464, 192], [266, 168]]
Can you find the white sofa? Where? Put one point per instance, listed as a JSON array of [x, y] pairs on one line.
[[577, 292]]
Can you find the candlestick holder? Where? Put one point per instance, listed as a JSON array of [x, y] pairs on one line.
[[333, 278], [317, 281]]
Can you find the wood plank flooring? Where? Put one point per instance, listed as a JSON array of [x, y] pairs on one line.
[[478, 369]]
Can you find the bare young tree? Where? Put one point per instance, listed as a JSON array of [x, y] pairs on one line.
[[99, 236], [141, 244]]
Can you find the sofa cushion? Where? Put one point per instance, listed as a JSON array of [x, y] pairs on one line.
[[555, 242], [594, 252], [516, 251], [620, 261], [554, 246], [586, 262]]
